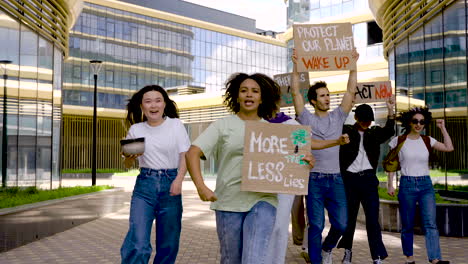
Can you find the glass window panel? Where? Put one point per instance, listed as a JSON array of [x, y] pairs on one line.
[[28, 47], [455, 54], [402, 67]]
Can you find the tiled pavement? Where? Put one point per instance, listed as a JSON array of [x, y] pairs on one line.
[[99, 241]]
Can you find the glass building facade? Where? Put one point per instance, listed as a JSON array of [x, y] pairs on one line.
[[138, 50], [31, 94], [429, 67], [301, 11], [141, 46]]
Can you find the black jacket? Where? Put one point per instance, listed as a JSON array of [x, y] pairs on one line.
[[373, 137]]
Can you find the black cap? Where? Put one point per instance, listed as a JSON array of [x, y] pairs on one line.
[[364, 113]]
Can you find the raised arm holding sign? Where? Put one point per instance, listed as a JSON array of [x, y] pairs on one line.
[[326, 125]]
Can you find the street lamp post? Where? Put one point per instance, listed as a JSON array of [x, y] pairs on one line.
[[96, 67], [4, 64]]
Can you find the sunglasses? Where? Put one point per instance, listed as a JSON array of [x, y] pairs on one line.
[[416, 121]]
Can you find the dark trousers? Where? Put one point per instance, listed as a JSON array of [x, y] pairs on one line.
[[362, 188], [298, 220]]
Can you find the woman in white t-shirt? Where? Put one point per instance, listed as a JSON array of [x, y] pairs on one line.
[[157, 192], [415, 182]]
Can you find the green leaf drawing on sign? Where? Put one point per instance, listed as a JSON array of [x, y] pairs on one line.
[[299, 137]]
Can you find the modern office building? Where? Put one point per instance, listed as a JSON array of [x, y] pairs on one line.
[[34, 41], [425, 43], [183, 47]]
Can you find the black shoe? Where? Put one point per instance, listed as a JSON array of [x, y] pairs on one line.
[[443, 262], [412, 262]]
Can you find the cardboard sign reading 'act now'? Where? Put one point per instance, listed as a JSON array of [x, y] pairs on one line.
[[324, 47], [273, 155], [284, 81], [373, 92]]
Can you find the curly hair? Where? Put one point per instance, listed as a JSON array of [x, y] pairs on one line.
[[406, 117], [134, 113], [270, 93], [312, 93]]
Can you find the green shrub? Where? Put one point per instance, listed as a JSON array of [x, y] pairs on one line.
[[88, 170], [14, 196], [463, 188], [384, 195]]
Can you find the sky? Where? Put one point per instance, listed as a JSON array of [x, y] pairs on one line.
[[269, 14]]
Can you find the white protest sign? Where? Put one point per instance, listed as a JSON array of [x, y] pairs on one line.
[[324, 47], [284, 81], [272, 161], [373, 92]]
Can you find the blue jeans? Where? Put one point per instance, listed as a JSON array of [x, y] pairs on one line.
[[244, 236], [276, 253], [151, 200], [325, 191], [418, 190]]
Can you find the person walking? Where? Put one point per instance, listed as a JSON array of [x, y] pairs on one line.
[[358, 162], [415, 182], [157, 192], [244, 220], [276, 252], [326, 188]]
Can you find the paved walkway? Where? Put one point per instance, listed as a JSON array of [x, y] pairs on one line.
[[99, 241]]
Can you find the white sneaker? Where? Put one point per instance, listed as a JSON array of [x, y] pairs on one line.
[[348, 254], [378, 261], [327, 257]]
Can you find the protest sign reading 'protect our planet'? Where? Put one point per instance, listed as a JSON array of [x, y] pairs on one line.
[[273, 155], [324, 47]]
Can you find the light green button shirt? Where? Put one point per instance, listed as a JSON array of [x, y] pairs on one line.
[[223, 140]]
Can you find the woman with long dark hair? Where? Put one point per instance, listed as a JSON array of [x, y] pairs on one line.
[[157, 193], [415, 182]]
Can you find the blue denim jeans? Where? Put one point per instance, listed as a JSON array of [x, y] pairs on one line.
[[244, 236], [276, 253], [418, 190], [150, 201], [325, 191]]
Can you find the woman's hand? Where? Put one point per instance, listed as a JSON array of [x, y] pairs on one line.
[[176, 187], [131, 156], [129, 159], [206, 194], [440, 123], [390, 189], [309, 158]]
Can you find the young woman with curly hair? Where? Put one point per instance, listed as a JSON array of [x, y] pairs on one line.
[[415, 182], [244, 220]]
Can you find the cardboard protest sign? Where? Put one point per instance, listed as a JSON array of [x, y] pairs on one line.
[[284, 81], [373, 92], [272, 158], [324, 47]]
